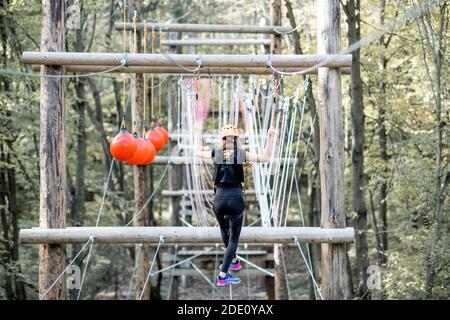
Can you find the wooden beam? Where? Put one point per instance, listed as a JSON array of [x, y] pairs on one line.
[[186, 60], [203, 28], [52, 152], [187, 160], [334, 263], [252, 272], [177, 193], [215, 42], [183, 235], [178, 70]]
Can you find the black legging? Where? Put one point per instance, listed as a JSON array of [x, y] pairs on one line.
[[229, 210]]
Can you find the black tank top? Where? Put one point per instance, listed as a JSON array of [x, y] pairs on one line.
[[228, 165]]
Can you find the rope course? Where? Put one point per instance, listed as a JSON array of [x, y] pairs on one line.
[[255, 105]]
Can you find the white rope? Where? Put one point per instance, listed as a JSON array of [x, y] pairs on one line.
[[161, 241], [307, 266], [105, 189], [303, 224], [62, 76], [92, 238], [254, 265], [207, 280], [67, 268], [182, 261], [285, 272], [150, 197]]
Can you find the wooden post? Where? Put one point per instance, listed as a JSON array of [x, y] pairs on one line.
[[334, 264], [275, 19], [175, 172], [52, 152], [140, 175], [281, 292]]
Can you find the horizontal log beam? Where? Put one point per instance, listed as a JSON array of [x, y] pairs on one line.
[[160, 160], [206, 28], [183, 235], [186, 60], [178, 70], [252, 272], [179, 193], [215, 42]]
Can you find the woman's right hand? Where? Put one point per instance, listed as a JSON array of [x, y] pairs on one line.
[[271, 133]]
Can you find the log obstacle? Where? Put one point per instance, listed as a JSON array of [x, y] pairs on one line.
[[177, 70], [187, 160], [215, 42], [186, 60], [124, 235], [199, 28], [179, 193]]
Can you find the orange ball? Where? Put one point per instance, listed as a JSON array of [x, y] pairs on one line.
[[151, 153], [123, 146], [164, 133], [141, 153], [156, 138]]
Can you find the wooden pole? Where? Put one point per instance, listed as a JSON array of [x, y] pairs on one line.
[[215, 42], [177, 70], [140, 175], [52, 152], [275, 19], [334, 264], [183, 235], [206, 28], [281, 291], [186, 60]]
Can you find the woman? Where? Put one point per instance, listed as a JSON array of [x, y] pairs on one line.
[[228, 205]]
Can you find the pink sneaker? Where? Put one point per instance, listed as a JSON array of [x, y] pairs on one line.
[[227, 280], [234, 266]]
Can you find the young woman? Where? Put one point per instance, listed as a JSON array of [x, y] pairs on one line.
[[229, 159]]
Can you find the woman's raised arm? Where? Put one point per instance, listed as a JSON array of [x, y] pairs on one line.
[[267, 153]]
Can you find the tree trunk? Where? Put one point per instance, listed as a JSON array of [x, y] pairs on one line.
[[352, 10], [6, 256], [140, 174], [52, 153], [334, 264], [12, 199], [382, 135], [439, 196]]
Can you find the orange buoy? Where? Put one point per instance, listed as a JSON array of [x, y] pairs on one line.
[[142, 152], [151, 153], [123, 146], [164, 133], [156, 138]]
